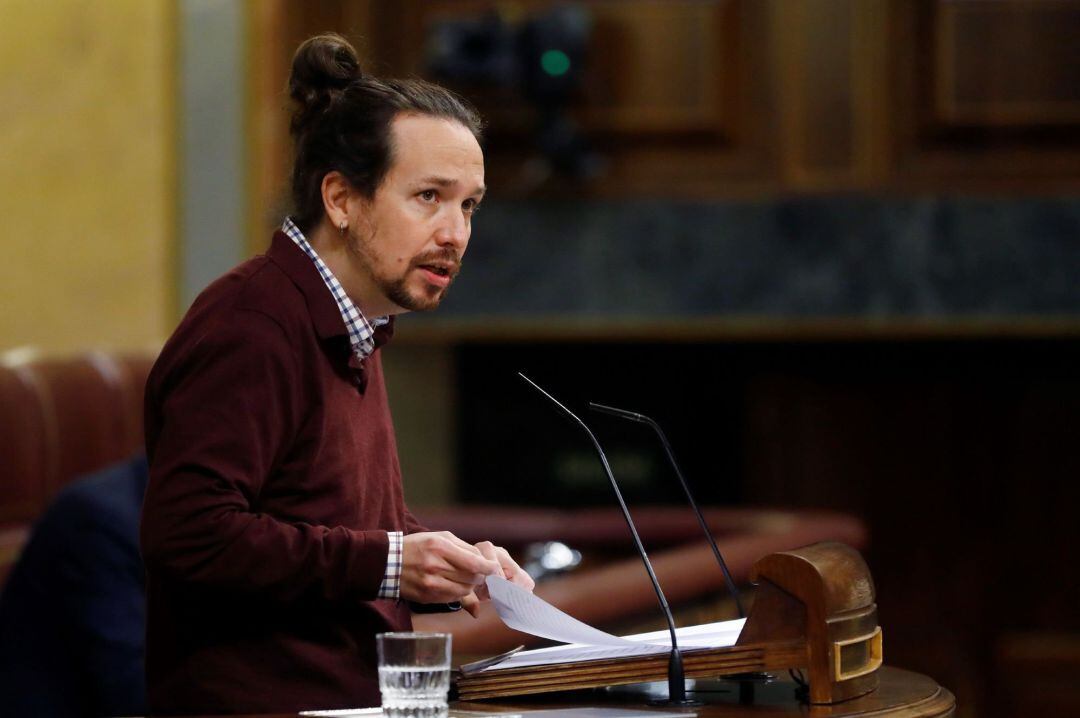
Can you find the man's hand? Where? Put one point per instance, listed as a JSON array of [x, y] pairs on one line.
[[508, 568], [438, 567]]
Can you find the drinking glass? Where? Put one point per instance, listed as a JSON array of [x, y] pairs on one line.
[[414, 674]]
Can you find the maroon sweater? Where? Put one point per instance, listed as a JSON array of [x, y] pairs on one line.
[[274, 478]]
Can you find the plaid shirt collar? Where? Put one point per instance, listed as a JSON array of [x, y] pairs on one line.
[[361, 331]]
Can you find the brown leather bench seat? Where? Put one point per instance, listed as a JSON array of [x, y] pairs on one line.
[[60, 418]]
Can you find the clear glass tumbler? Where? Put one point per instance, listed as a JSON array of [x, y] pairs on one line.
[[414, 674]]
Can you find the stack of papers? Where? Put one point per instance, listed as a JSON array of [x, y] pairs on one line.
[[523, 611], [542, 713]]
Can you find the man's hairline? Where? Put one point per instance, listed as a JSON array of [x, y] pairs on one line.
[[391, 154], [391, 147]]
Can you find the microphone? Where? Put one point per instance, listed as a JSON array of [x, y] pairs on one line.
[[676, 675], [642, 419]]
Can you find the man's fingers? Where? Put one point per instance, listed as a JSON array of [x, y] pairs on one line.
[[512, 571], [471, 604], [508, 568], [438, 589], [436, 568], [463, 577], [460, 542], [439, 567], [491, 552], [462, 559], [435, 563]]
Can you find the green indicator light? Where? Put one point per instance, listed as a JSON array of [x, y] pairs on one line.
[[555, 62]]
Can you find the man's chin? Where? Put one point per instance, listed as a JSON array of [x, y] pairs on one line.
[[425, 306], [417, 301]]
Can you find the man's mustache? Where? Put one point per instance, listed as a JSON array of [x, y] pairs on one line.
[[446, 258]]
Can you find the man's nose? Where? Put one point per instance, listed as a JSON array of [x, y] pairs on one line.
[[454, 231]]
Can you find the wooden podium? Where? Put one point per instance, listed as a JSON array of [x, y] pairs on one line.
[[814, 611]]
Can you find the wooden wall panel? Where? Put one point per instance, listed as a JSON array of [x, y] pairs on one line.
[[1007, 63], [830, 71], [959, 457], [661, 67], [671, 96], [743, 98], [825, 95], [652, 67], [984, 95]]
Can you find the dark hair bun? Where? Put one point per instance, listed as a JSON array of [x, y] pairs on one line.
[[322, 67]]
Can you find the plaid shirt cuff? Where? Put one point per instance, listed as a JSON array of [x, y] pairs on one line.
[[391, 583]]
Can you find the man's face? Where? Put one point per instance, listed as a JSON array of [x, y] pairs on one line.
[[410, 237]]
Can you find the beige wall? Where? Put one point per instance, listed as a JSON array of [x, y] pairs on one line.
[[86, 173]]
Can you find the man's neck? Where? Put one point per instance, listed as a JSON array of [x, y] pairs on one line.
[[333, 249]]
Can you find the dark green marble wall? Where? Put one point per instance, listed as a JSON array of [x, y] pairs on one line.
[[845, 256]]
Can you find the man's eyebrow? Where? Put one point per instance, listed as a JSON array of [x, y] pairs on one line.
[[449, 182]]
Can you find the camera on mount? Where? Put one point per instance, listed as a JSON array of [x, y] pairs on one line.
[[541, 56]]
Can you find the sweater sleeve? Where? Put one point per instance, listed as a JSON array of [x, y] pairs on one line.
[[220, 417], [412, 524]]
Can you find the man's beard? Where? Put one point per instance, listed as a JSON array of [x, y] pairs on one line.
[[395, 288]]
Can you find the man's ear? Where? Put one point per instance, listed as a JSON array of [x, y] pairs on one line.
[[336, 191]]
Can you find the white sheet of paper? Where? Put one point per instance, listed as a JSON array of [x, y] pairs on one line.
[[523, 611], [710, 635], [542, 713], [570, 713], [706, 635], [599, 713]]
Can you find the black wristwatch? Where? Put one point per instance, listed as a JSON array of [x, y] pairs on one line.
[[434, 607]]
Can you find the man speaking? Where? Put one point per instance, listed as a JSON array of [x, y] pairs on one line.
[[275, 534]]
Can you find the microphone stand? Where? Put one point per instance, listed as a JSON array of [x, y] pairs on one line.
[[642, 419], [743, 678], [676, 674]]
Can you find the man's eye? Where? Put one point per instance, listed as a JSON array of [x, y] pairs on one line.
[[471, 206], [429, 195]]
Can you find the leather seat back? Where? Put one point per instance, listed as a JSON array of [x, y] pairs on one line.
[[27, 444], [61, 418], [91, 398]]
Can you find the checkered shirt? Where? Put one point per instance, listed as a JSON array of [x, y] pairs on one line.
[[361, 334]]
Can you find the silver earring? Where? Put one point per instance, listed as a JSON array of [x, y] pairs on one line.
[[343, 226]]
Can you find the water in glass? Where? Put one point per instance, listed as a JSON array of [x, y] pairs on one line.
[[414, 691]]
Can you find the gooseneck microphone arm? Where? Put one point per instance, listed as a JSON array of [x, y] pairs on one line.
[[676, 675], [642, 419]]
